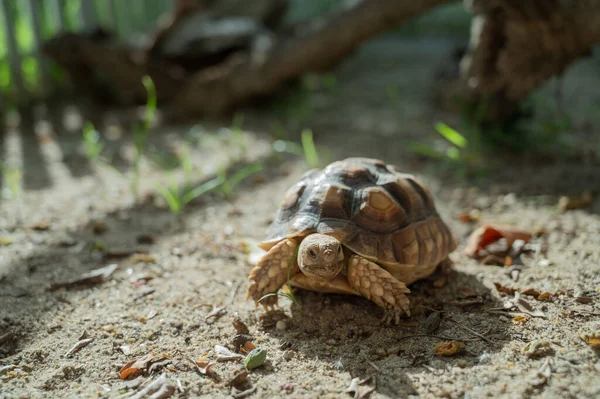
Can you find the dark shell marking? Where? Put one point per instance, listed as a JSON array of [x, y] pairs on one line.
[[386, 216]]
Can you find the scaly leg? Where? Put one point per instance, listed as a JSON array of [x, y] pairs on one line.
[[376, 284], [271, 272]]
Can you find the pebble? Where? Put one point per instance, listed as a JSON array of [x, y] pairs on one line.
[[281, 326], [288, 355], [503, 319]]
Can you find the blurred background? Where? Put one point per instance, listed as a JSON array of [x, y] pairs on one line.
[[143, 95]]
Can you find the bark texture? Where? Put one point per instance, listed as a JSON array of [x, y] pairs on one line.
[[517, 45]]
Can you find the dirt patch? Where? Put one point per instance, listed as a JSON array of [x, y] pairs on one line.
[[167, 301]]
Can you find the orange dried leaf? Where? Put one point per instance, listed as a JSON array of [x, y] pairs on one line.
[[203, 365], [544, 296], [490, 233], [247, 347], [590, 337], [504, 290], [508, 261], [520, 319], [531, 292], [465, 218], [136, 367], [448, 348]]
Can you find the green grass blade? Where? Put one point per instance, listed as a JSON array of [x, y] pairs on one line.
[[172, 198], [202, 189], [151, 101], [451, 135], [288, 146], [238, 121], [425, 150], [243, 173], [310, 151]]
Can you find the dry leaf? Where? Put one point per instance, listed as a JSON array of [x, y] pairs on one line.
[[591, 338], [94, 277], [520, 319], [137, 367], [504, 290], [239, 325], [41, 226], [525, 307], [432, 323], [531, 292], [203, 365], [215, 312], [448, 348], [78, 346], [247, 347], [224, 354], [544, 296], [472, 216], [488, 234]]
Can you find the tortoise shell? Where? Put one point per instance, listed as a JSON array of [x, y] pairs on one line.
[[375, 211]]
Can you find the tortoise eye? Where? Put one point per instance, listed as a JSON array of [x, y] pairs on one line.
[[312, 253]]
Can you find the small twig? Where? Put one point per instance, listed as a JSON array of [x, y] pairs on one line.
[[215, 312], [472, 331], [373, 365], [78, 346], [234, 292]]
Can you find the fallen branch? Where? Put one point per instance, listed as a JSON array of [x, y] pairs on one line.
[[317, 47]]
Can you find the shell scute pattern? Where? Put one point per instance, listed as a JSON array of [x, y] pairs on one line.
[[373, 209]]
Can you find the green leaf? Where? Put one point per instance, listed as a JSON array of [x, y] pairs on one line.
[[310, 151], [244, 173], [172, 198], [150, 100], [202, 189], [255, 358], [425, 149], [451, 135], [453, 153]]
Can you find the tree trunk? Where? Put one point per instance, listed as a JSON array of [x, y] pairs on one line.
[[517, 45]]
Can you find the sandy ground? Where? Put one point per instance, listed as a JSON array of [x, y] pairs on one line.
[[180, 298]]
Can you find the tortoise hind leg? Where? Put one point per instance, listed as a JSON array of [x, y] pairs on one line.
[[271, 273], [378, 285]]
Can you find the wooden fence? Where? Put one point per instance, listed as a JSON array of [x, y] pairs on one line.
[[26, 24]]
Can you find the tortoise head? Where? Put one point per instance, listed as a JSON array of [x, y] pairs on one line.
[[320, 256]]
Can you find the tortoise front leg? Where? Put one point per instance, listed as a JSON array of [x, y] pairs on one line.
[[376, 284], [271, 272]]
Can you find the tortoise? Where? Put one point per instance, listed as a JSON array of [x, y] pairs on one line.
[[359, 227]]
